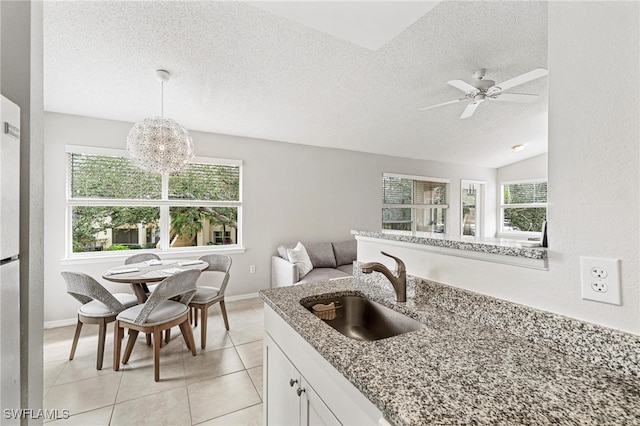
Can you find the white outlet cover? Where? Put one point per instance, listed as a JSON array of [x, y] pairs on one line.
[[610, 278]]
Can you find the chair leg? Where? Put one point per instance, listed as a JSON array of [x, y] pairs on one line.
[[118, 334], [188, 336], [76, 337], [102, 334], [167, 335], [148, 339], [204, 311], [224, 314], [133, 335], [157, 339]]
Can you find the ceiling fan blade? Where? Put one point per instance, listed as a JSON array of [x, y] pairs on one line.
[[521, 79], [514, 97], [442, 104], [470, 109], [462, 85]]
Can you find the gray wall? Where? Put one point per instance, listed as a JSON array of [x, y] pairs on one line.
[[290, 192]]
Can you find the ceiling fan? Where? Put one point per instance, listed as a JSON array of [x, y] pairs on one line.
[[481, 90]]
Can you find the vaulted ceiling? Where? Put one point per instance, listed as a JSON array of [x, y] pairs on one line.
[[348, 75]]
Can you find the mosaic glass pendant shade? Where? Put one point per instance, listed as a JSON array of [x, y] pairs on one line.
[[160, 145]]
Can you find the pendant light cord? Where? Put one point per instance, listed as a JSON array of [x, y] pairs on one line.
[[162, 99]]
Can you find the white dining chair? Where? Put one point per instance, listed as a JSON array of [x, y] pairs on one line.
[[99, 306], [157, 314]]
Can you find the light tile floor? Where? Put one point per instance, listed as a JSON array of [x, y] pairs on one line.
[[221, 385]]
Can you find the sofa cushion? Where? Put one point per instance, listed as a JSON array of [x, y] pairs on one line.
[[282, 250], [346, 252], [347, 269], [299, 256], [322, 274], [321, 255]]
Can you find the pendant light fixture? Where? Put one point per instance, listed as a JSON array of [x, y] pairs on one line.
[[160, 145]]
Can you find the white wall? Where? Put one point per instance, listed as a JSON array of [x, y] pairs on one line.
[[290, 192], [531, 168], [593, 166]]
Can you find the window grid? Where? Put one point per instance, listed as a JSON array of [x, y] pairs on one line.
[[110, 183], [413, 203]]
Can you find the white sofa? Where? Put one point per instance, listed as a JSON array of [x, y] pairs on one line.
[[329, 260]]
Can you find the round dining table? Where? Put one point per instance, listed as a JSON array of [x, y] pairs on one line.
[[149, 271]]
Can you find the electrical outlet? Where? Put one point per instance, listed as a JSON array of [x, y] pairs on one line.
[[600, 279], [252, 269]]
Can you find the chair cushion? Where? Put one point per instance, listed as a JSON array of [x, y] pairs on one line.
[[321, 255], [346, 252], [211, 279], [166, 311], [97, 309], [127, 299], [204, 294]]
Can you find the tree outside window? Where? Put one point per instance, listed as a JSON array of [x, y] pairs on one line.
[[115, 206]]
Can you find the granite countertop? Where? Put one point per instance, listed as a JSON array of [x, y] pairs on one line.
[[460, 371], [498, 246]]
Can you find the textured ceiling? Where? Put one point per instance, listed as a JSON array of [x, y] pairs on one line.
[[240, 70]]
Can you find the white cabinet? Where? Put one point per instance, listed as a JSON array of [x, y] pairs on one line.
[[291, 399], [303, 388]]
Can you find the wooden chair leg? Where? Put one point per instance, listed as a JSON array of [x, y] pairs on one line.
[[223, 308], [102, 334], [133, 335], [167, 335], [148, 339], [76, 337], [188, 336], [204, 311], [157, 339], [118, 335]]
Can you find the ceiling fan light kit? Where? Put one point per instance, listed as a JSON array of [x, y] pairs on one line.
[[160, 145], [482, 90]]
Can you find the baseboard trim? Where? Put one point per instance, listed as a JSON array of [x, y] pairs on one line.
[[71, 321]]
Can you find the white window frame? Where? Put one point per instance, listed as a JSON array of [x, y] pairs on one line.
[[480, 202], [164, 203], [413, 207], [502, 207]]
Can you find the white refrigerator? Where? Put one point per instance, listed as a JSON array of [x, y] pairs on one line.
[[9, 259]]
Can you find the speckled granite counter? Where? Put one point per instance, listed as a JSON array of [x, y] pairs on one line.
[[492, 249], [462, 370]]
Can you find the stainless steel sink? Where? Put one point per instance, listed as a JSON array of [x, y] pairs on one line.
[[362, 319]]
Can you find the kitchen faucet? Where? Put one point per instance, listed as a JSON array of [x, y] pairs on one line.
[[398, 281]]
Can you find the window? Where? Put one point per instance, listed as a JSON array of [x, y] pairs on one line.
[[411, 203], [471, 204], [113, 205], [523, 207]]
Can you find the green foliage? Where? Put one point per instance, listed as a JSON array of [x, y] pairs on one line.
[[206, 182], [105, 177], [98, 176], [528, 218], [117, 247]]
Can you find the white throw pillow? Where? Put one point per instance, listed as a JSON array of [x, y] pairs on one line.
[[300, 257]]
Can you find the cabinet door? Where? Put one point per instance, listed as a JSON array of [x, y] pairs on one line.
[[314, 410], [282, 401]]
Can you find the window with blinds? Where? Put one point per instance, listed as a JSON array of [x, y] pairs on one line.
[[411, 203], [523, 206], [113, 205]]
